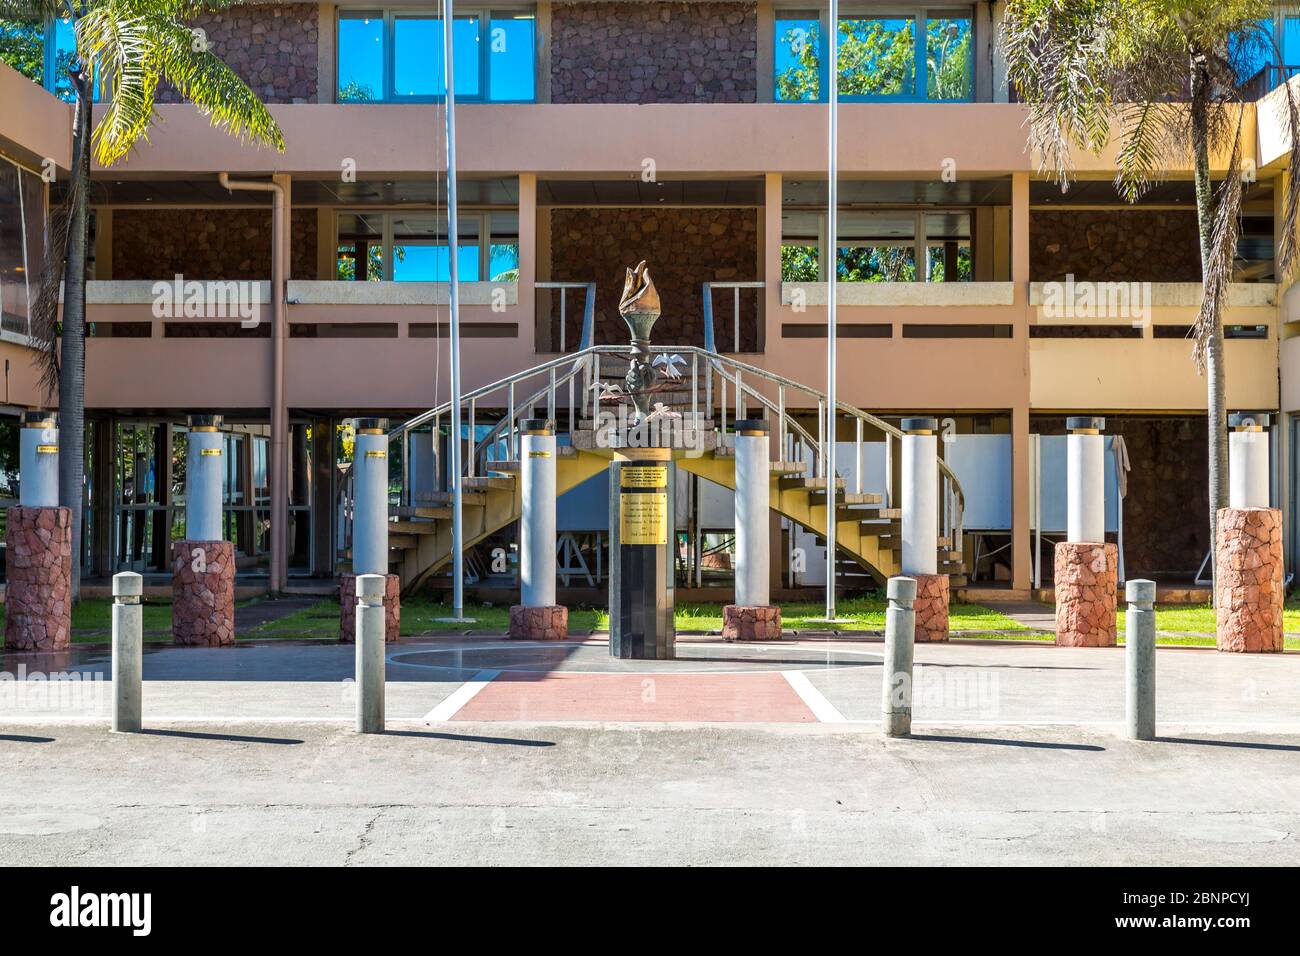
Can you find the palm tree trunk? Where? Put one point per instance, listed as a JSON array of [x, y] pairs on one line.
[[72, 345], [1216, 410]]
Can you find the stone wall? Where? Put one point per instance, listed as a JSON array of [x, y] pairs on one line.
[[684, 247], [207, 243], [654, 52], [1129, 245], [1166, 512], [272, 47]]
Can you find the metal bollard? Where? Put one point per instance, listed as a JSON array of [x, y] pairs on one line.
[[1140, 659], [128, 638], [900, 633], [370, 653]]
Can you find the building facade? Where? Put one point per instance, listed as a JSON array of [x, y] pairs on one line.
[[595, 134]]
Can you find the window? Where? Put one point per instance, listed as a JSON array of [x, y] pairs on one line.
[[411, 246], [22, 228], [396, 56], [878, 55], [879, 246]]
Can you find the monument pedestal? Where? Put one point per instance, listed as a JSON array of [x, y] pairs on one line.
[[548, 623], [741, 622], [348, 608], [203, 593], [1248, 580], [641, 539], [1087, 575], [38, 579], [931, 607]]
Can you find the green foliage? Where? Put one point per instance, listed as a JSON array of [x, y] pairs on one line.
[[354, 91], [22, 46]]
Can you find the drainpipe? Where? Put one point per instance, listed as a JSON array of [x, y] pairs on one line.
[[279, 411]]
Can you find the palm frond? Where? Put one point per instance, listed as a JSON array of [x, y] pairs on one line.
[[1222, 252]]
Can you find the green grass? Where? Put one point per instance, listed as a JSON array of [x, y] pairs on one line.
[[856, 614]]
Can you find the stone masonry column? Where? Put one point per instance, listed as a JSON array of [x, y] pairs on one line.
[[1248, 552], [38, 546], [537, 617], [370, 531], [203, 564], [753, 617], [920, 475], [1087, 568]]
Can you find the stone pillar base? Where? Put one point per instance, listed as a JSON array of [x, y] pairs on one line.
[[203, 593], [931, 607], [1248, 580], [751, 622], [348, 608], [38, 569], [549, 622], [1087, 576]]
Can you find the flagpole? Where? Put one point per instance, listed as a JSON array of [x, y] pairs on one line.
[[453, 241], [832, 269]]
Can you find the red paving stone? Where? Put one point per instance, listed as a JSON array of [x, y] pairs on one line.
[[638, 697]]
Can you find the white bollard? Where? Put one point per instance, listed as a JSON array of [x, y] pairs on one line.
[[1248, 460], [900, 635], [920, 496], [753, 478], [1140, 659], [128, 651], [1085, 480], [370, 653], [537, 524]]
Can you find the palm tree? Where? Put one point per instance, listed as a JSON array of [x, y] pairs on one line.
[[130, 46], [1163, 78]]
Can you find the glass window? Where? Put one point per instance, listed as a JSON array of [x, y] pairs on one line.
[[876, 56], [503, 251], [797, 57], [22, 46], [421, 255], [361, 57], [411, 246], [511, 76], [949, 67], [417, 56], [22, 226], [361, 247]]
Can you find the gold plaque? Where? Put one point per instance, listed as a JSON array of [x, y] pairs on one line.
[[538, 454], [644, 476], [209, 451], [47, 449], [376, 454], [643, 518]]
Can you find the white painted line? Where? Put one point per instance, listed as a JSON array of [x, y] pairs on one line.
[[822, 708], [461, 696]]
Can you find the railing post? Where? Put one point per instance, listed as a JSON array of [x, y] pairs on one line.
[[128, 638], [1140, 659], [473, 440], [370, 653], [857, 455], [900, 632]]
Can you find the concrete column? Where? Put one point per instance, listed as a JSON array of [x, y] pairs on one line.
[[537, 617], [900, 634], [920, 527], [1140, 660], [204, 470], [38, 545], [370, 630], [752, 617], [38, 477], [203, 564], [128, 650], [1086, 567], [1248, 466], [1086, 480], [1248, 549], [369, 529]]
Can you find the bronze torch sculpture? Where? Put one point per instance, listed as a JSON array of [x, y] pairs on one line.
[[639, 307]]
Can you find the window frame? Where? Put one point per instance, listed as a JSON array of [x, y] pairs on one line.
[[482, 216], [920, 16], [390, 16]]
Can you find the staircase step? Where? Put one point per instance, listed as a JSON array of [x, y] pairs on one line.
[[403, 542], [439, 498], [879, 514], [503, 483], [413, 527], [807, 484], [418, 511]]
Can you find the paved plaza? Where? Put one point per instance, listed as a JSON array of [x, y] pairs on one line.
[[510, 752]]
